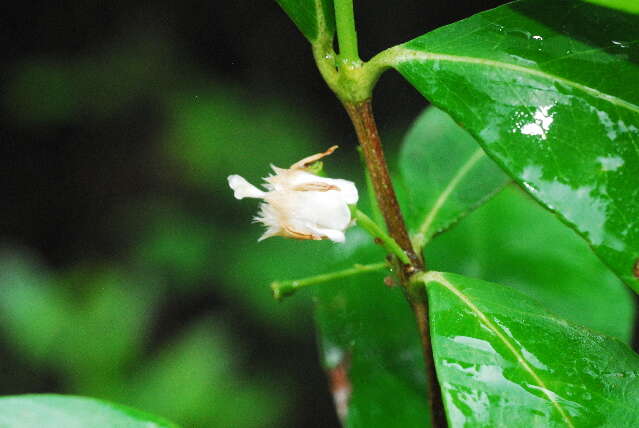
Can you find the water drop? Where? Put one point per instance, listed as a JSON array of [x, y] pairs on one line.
[[520, 33], [621, 44]]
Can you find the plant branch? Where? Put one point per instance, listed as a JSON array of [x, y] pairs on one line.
[[282, 289], [346, 33], [361, 114], [373, 228], [353, 83], [418, 301]]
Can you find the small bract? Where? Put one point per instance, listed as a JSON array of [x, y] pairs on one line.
[[301, 205]]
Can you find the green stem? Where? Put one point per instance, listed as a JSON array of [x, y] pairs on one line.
[[375, 230], [346, 33], [282, 289]]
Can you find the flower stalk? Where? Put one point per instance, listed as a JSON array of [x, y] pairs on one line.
[[391, 246], [283, 289]]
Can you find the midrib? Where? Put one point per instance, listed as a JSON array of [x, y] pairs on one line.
[[400, 55], [439, 278]]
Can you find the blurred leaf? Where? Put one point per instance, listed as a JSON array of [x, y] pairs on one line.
[[503, 360], [252, 266], [548, 87], [56, 411], [513, 241], [42, 91], [107, 330], [218, 133], [312, 17], [631, 6], [194, 378], [370, 344], [446, 174], [33, 312], [46, 91], [176, 244]]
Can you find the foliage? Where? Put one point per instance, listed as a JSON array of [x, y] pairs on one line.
[[44, 411], [520, 189], [546, 88], [553, 106]]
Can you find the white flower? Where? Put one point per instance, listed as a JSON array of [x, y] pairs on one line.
[[301, 205]]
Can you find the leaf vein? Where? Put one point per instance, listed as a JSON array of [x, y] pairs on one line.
[[399, 54], [438, 278], [443, 197]]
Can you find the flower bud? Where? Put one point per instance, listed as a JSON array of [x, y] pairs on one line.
[[301, 205]]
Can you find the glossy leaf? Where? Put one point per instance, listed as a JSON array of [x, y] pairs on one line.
[[548, 87], [55, 411], [370, 345], [312, 17], [503, 360], [513, 241], [631, 6], [445, 172]]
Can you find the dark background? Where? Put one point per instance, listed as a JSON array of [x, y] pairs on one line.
[[105, 175]]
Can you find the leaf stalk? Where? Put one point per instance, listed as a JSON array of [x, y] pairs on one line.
[[346, 33]]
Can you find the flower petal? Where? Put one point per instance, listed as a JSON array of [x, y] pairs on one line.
[[243, 189], [347, 190], [332, 234]]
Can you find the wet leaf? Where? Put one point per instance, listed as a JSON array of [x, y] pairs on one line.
[[513, 241], [54, 411], [312, 17], [446, 174], [370, 345], [549, 89], [502, 360]]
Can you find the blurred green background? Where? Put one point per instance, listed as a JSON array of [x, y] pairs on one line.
[[127, 270]]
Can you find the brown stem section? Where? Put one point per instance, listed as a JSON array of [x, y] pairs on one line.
[[361, 115], [419, 304]]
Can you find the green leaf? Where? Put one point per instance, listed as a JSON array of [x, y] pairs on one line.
[[55, 411], [106, 331], [548, 87], [252, 266], [446, 174], [193, 377], [174, 243], [502, 360], [204, 122], [312, 17], [631, 6], [513, 241], [33, 312], [370, 345]]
